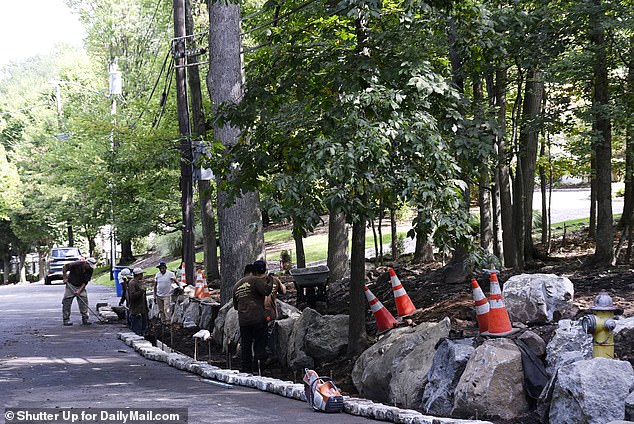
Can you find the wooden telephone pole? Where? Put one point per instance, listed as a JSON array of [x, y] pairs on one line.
[[187, 194]]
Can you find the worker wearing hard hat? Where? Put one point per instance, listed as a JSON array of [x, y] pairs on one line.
[[137, 303]]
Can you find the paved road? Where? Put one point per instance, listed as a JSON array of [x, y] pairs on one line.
[[572, 204], [46, 365]]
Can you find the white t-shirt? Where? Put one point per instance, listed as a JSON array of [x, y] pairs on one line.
[[164, 283]]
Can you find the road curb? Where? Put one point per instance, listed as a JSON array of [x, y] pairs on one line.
[[354, 406]]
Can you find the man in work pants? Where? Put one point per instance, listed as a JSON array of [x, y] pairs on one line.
[[76, 276], [248, 300]]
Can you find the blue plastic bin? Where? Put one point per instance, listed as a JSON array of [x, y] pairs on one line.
[[115, 275]]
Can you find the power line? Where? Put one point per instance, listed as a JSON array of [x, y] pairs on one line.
[[156, 83]]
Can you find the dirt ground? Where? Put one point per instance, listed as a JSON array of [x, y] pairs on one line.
[[436, 300]]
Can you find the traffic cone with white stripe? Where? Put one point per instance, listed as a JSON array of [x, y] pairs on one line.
[[481, 306], [404, 305], [499, 322], [202, 290], [384, 319]]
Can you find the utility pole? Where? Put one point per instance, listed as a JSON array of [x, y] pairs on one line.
[[187, 193], [115, 86]]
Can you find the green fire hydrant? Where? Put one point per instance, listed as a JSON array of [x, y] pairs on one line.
[[601, 325]]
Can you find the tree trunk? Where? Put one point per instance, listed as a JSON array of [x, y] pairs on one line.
[[22, 267], [394, 229], [6, 263], [502, 175], [126, 253], [71, 237], [484, 180], [592, 225], [375, 238], [528, 143], [358, 305], [337, 246], [91, 246], [240, 223], [628, 200], [602, 140], [543, 183], [210, 240], [299, 250], [424, 250]]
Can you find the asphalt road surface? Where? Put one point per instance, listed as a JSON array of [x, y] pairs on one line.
[[46, 365]]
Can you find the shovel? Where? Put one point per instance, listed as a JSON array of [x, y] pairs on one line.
[[101, 321]]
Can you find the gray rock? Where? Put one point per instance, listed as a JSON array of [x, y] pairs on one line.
[[227, 328], [281, 335], [191, 314], [536, 297], [534, 342], [297, 357], [591, 391], [448, 365], [395, 368], [569, 344], [629, 407], [206, 315], [327, 338], [492, 383]]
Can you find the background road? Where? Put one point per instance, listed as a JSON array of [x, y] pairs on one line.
[[46, 365]]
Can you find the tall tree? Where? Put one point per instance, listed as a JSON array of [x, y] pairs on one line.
[[602, 134], [239, 218]]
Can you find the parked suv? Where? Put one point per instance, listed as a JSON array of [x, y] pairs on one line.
[[58, 257]]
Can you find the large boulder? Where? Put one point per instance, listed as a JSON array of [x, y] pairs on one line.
[[591, 392], [227, 328], [533, 298], [492, 383], [624, 339], [191, 314], [569, 344], [447, 367], [317, 338], [205, 319], [281, 339], [394, 369]]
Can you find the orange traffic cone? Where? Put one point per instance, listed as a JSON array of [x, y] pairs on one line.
[[384, 319], [202, 290], [404, 305], [181, 276], [481, 306], [499, 322]]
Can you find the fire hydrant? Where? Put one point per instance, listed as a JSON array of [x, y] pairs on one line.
[[601, 325]]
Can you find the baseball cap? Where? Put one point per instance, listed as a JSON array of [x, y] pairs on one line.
[[259, 266], [161, 264], [137, 271], [92, 262]]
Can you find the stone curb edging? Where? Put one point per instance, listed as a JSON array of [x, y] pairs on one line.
[[354, 406]]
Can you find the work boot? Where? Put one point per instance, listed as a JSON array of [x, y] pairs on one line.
[[85, 322], [67, 322]]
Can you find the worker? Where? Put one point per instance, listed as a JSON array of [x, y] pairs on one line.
[[248, 299], [76, 276]]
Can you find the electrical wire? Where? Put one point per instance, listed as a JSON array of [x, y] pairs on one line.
[[156, 83], [169, 76]]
